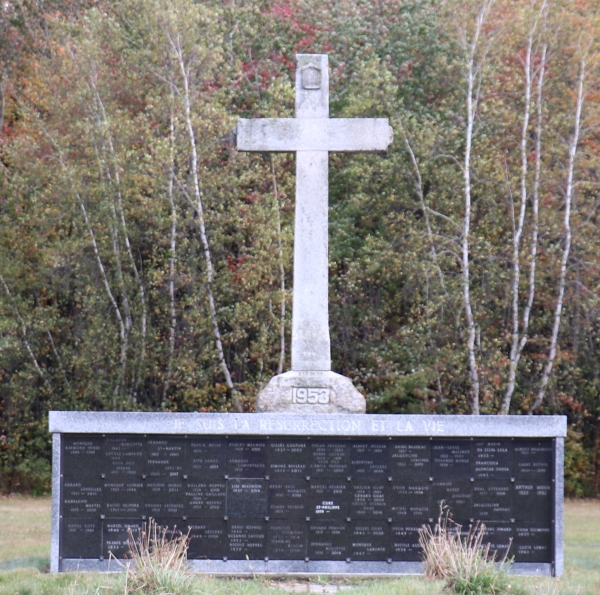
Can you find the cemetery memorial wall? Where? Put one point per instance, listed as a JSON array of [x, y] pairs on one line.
[[281, 493]]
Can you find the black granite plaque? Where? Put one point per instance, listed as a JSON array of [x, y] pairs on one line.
[[532, 502], [533, 460], [164, 497], [288, 458], [451, 459], [492, 500], [206, 457], [115, 535], [292, 498], [288, 499], [83, 496], [247, 498], [205, 499], [287, 540], [246, 540], [124, 497], [370, 540], [404, 539], [369, 500], [174, 526], [410, 460], [247, 458], [329, 498], [124, 455], [81, 538], [369, 459], [455, 494], [81, 455], [492, 459], [166, 456], [412, 501], [208, 538], [329, 458], [328, 540], [500, 537], [533, 543]]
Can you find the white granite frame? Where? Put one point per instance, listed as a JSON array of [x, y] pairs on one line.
[[276, 424], [295, 568], [559, 505], [290, 424], [56, 499]]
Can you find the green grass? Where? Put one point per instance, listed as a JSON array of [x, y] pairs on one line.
[[25, 554], [24, 532]]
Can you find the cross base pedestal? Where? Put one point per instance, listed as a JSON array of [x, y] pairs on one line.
[[310, 392]]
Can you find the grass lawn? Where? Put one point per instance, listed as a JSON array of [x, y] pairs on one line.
[[25, 555]]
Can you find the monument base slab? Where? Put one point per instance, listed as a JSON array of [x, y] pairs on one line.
[[310, 392]]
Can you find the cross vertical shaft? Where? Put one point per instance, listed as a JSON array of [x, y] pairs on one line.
[[311, 349]]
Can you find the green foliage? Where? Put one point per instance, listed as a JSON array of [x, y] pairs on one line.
[[488, 582], [106, 288], [578, 466]]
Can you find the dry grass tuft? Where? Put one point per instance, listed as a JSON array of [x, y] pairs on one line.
[[158, 564], [462, 560]]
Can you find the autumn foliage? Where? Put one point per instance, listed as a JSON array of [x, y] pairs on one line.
[[146, 265]]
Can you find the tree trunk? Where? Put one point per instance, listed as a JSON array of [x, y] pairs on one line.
[[201, 224], [573, 146]]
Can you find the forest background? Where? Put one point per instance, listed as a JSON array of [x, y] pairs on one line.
[[146, 265]]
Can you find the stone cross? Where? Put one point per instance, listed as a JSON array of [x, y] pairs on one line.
[[312, 135]]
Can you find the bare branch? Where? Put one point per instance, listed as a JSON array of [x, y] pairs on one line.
[[34, 361]]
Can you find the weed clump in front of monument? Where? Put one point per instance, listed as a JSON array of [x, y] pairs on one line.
[[158, 562], [463, 561]]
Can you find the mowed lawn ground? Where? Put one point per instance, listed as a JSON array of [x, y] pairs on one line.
[[25, 555]]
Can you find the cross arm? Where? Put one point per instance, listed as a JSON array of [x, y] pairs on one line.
[[314, 134]]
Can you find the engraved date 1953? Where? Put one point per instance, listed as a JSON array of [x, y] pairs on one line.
[[310, 396]]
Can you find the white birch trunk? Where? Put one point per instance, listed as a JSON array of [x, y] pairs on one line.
[[573, 146], [176, 46], [517, 234], [474, 76], [115, 181], [124, 333], [425, 209], [514, 362], [122, 329], [59, 361], [127, 318], [172, 258], [519, 332]]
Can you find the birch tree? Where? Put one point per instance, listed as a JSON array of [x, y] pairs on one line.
[[189, 59], [475, 48], [533, 82], [586, 58], [173, 252]]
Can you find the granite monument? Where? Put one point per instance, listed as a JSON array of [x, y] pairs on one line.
[[289, 490]]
